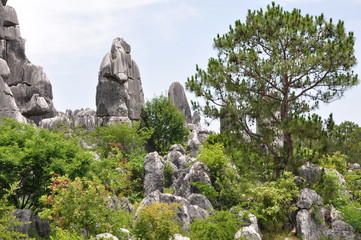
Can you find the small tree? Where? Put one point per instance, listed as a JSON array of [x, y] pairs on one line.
[[167, 122], [273, 67]]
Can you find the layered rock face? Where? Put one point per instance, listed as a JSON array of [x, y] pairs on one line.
[[119, 95], [25, 90]]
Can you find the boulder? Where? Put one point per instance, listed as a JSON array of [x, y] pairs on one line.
[[307, 198], [180, 237], [178, 97], [187, 212], [251, 231], [307, 227], [198, 172], [153, 173], [106, 236], [177, 157], [11, 18], [34, 224], [119, 93], [310, 171], [200, 201], [4, 2]]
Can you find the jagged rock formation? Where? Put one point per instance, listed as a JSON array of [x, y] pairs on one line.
[[21, 82], [315, 221], [153, 173], [187, 212], [178, 97], [119, 94], [251, 230], [34, 224]]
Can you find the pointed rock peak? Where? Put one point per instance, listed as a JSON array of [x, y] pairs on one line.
[[179, 99]]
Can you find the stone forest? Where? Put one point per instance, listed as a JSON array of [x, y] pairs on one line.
[[132, 169]]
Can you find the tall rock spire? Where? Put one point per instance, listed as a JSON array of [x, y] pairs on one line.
[[26, 84], [119, 95]]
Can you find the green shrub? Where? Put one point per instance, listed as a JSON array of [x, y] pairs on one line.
[[337, 161], [353, 180], [8, 222], [274, 201], [61, 234], [352, 215], [223, 175], [82, 206], [156, 222], [166, 121], [223, 225], [28, 154]]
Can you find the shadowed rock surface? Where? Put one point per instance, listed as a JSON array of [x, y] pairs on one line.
[[119, 96], [21, 82], [178, 97]]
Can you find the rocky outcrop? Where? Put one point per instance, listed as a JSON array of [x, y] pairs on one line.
[[23, 82], [119, 95], [251, 230], [106, 236], [187, 212], [34, 224], [197, 135], [153, 173], [315, 221], [179, 99], [198, 172]]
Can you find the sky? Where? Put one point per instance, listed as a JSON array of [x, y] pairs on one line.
[[69, 38]]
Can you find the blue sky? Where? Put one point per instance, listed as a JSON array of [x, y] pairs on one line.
[[69, 38]]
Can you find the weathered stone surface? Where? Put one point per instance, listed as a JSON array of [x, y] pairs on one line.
[[4, 2], [119, 91], [355, 166], [307, 227], [177, 157], [200, 201], [187, 212], [197, 136], [29, 85], [153, 173], [4, 70], [307, 198], [251, 231], [178, 97], [310, 172], [8, 107], [178, 147], [106, 236], [36, 224], [180, 237], [11, 18], [198, 172]]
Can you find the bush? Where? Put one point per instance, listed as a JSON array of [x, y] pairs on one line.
[[274, 201], [223, 176], [28, 154], [223, 225], [352, 215], [167, 123], [82, 206], [8, 222], [353, 180], [337, 161], [156, 222]]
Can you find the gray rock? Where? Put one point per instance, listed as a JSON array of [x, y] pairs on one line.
[[106, 236], [200, 201], [4, 70], [356, 166], [177, 158], [310, 172], [4, 2], [8, 107], [178, 97], [307, 227], [187, 212], [180, 237], [29, 85], [153, 173], [11, 18], [251, 229], [341, 230], [34, 223], [178, 147], [198, 172], [119, 91], [307, 198]]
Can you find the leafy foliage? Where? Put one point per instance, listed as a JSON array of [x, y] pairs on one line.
[[352, 215], [82, 205], [275, 66], [29, 154], [337, 161], [8, 222], [167, 123], [274, 201], [223, 225], [156, 221]]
